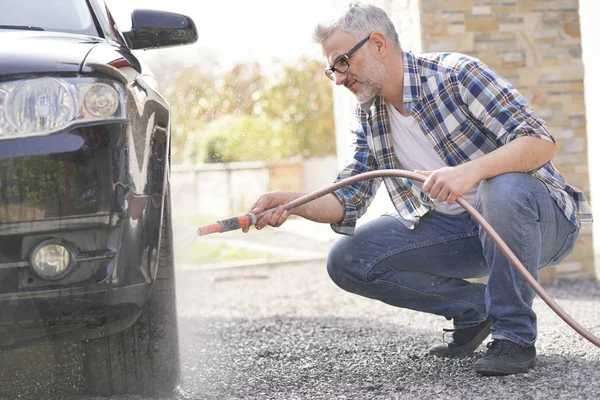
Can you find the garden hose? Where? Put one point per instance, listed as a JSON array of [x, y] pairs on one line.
[[246, 220]]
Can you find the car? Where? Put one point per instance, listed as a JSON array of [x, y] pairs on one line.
[[86, 244]]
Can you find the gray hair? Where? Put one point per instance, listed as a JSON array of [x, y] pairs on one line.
[[359, 20]]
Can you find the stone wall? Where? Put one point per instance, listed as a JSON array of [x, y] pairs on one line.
[[536, 45]]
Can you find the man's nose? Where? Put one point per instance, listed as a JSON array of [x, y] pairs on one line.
[[340, 77]]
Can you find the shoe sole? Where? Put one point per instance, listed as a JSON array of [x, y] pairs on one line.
[[466, 349], [508, 369]]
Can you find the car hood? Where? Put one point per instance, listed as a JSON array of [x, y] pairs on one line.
[[26, 52]]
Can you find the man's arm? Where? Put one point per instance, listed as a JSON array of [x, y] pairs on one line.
[[523, 154], [341, 209], [326, 209], [524, 142]]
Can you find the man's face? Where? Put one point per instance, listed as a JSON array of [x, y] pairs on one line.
[[366, 75]]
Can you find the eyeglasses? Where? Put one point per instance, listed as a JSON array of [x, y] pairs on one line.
[[341, 65]]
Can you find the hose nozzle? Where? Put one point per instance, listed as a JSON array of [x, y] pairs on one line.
[[229, 224]]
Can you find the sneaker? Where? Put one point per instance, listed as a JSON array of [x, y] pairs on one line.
[[504, 357], [464, 340]]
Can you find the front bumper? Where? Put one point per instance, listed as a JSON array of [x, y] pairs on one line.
[[80, 190], [77, 313]]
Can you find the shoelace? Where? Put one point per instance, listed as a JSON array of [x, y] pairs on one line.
[[461, 335], [497, 347]]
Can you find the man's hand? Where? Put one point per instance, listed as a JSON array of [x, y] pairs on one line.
[[326, 209], [449, 183], [272, 200]]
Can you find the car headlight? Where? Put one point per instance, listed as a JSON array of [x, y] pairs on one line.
[[101, 100], [51, 259], [45, 105]]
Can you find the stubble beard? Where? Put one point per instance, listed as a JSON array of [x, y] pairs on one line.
[[375, 76]]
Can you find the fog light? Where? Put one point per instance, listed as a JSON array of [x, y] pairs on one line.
[[51, 259]]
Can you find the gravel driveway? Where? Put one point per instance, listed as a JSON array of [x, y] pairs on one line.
[[287, 332], [290, 333]]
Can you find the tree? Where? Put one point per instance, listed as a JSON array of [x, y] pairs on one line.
[[248, 138], [302, 97], [289, 115]]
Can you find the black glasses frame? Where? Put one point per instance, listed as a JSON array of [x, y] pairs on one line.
[[329, 72]]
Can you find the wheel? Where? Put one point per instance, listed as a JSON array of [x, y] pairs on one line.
[[144, 359]]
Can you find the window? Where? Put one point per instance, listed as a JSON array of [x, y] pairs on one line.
[[72, 16]]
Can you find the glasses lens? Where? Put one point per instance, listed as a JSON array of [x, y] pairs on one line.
[[341, 65]]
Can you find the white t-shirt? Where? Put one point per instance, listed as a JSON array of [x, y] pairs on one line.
[[414, 151]]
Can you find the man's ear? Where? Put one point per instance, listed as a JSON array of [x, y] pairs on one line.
[[380, 43]]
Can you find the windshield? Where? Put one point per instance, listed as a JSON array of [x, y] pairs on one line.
[[72, 16]]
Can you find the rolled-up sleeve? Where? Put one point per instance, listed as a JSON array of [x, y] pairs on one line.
[[356, 197], [497, 105]]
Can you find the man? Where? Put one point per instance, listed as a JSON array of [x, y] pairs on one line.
[[450, 117]]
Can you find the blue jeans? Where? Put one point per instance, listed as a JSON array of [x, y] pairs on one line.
[[424, 269]]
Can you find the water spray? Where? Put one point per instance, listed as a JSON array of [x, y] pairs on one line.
[[246, 220]]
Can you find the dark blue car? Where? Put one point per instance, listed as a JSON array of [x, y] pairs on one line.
[[85, 223]]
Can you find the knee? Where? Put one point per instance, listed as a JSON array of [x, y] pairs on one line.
[[502, 195], [340, 264], [509, 204]]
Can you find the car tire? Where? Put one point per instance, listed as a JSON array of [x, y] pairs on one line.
[[144, 359]]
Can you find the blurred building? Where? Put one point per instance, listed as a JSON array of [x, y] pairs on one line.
[[537, 46]]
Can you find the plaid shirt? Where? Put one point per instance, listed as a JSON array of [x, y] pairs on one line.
[[466, 111]]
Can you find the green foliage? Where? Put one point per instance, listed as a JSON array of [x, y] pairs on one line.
[[302, 97], [241, 115], [247, 138]]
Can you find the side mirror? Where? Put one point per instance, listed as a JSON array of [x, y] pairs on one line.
[[153, 29]]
